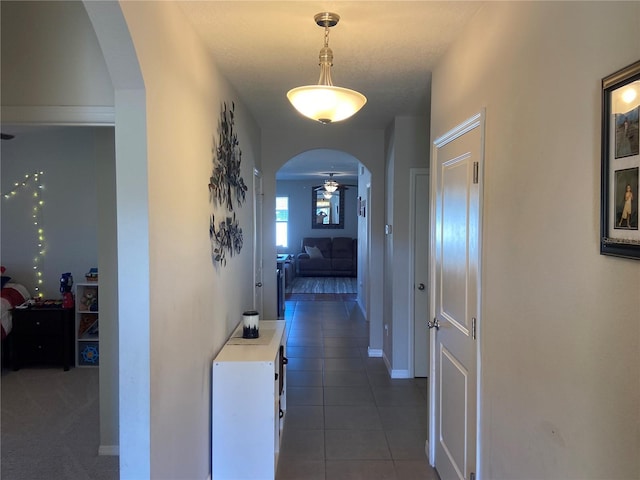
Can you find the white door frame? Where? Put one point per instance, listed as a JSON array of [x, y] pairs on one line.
[[258, 263], [477, 120], [413, 173]]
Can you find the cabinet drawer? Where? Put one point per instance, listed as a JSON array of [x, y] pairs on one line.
[[40, 350], [38, 325]]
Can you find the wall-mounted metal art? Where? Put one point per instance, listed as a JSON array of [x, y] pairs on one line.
[[226, 238], [226, 187], [226, 184]]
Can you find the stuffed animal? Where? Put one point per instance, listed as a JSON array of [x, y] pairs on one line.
[[90, 301]]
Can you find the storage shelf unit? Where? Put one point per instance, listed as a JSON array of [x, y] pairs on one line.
[[249, 404], [87, 326]]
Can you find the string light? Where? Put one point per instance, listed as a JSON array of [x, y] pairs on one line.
[[33, 179]]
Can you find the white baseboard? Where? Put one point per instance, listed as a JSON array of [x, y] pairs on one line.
[[375, 352], [400, 374], [109, 450], [387, 363], [395, 373]]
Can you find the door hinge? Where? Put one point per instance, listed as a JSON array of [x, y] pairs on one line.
[[473, 328], [475, 172]]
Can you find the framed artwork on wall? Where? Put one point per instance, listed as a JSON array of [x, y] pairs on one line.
[[620, 169]]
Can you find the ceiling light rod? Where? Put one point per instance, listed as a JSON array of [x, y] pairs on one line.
[[325, 102], [326, 20]]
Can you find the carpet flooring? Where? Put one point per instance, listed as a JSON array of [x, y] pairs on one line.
[[50, 426]]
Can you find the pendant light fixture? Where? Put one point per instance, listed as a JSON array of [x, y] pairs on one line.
[[330, 185], [325, 102]]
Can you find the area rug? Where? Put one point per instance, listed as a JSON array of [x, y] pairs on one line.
[[323, 285]]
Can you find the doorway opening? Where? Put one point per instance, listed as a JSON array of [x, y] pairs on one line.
[[319, 225]]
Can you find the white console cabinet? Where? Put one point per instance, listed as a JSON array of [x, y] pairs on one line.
[[248, 404]]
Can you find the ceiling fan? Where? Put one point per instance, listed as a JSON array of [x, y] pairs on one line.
[[330, 185]]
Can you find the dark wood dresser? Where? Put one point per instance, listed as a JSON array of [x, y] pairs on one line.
[[42, 336]]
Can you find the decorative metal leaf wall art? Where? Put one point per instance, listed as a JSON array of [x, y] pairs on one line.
[[226, 238], [226, 186]]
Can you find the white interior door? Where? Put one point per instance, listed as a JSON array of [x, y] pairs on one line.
[[257, 243], [456, 260], [420, 270]]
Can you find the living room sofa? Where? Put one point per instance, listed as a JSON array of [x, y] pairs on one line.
[[326, 256]]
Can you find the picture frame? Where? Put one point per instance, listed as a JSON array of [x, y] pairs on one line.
[[620, 163]]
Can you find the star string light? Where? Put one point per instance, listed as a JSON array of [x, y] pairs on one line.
[[32, 180]]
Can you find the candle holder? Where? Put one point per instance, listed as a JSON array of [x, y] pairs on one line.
[[250, 321]]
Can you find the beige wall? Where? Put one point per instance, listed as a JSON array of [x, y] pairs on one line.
[[560, 324], [408, 148], [50, 56], [193, 305]]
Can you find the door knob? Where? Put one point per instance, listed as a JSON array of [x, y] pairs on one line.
[[259, 284], [434, 324], [421, 286]]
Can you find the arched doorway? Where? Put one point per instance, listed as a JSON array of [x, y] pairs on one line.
[[305, 209]]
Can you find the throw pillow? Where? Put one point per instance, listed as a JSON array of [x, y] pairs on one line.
[[313, 252]]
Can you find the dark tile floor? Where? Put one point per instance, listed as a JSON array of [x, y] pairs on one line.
[[346, 418]]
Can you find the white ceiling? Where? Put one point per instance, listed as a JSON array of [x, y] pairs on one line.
[[384, 49]]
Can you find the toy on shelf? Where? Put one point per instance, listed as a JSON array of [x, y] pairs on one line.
[[89, 301], [66, 282], [88, 327], [92, 275]]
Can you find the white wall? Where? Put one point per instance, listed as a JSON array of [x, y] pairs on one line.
[[194, 305], [387, 344], [104, 153], [299, 193], [364, 234], [69, 215], [408, 147], [50, 56], [560, 324]]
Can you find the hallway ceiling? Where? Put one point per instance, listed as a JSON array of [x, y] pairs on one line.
[[384, 49]]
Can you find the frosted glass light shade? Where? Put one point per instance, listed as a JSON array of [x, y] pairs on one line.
[[330, 185], [326, 103]]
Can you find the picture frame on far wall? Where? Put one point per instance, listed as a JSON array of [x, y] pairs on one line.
[[620, 168]]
